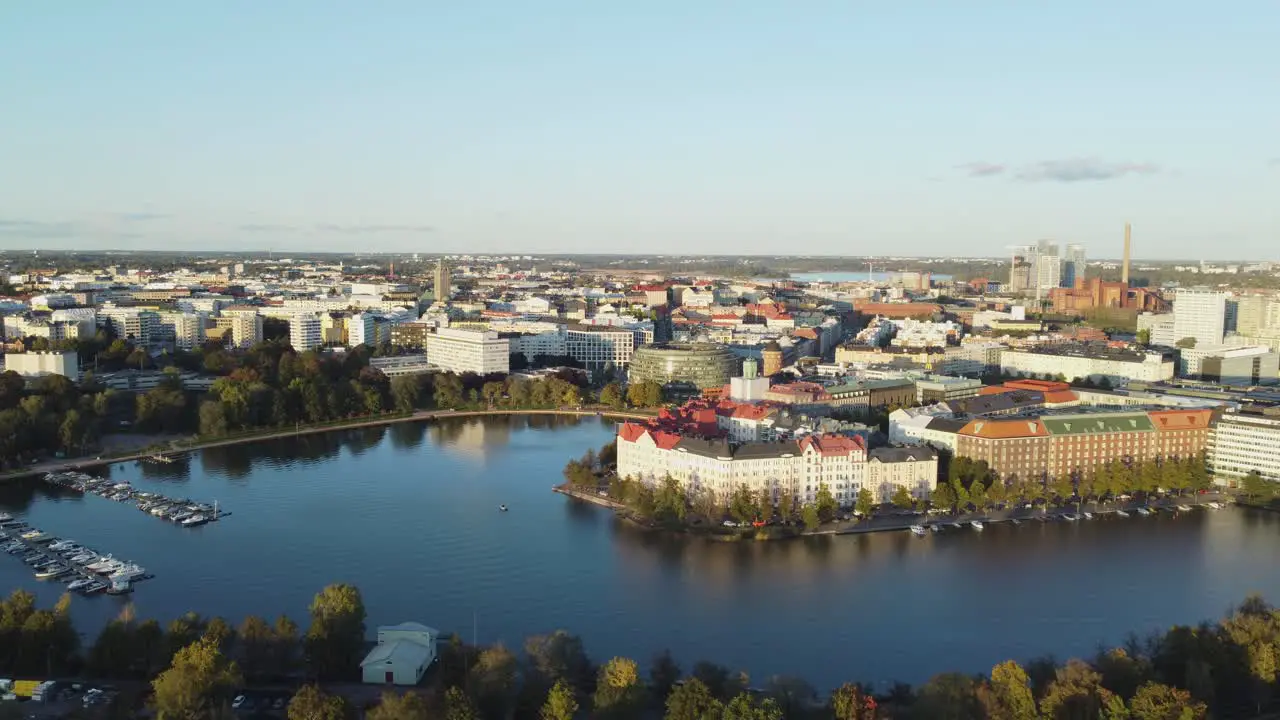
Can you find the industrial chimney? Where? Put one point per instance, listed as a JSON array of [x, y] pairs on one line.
[[1124, 267]]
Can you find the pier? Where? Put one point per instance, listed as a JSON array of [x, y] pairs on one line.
[[82, 570], [180, 511]]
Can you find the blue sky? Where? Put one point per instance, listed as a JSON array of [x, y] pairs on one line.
[[741, 127]]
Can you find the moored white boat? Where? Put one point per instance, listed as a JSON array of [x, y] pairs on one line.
[[1143, 511], [82, 583], [1184, 508], [976, 525], [195, 520], [50, 571], [1069, 517], [1122, 513], [1088, 516], [918, 529]]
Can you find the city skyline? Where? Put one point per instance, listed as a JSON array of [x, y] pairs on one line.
[[673, 130]]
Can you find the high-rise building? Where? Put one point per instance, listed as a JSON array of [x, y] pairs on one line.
[[304, 332], [443, 280], [1073, 263], [1200, 314], [1046, 271]]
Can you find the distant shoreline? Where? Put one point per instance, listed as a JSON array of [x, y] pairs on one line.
[[886, 523], [389, 419]]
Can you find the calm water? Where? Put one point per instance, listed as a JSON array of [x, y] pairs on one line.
[[409, 513]]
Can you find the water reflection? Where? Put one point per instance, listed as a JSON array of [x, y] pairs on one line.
[[409, 513]]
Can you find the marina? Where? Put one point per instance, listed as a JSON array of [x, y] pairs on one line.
[[83, 570], [330, 507], [180, 511], [979, 524]]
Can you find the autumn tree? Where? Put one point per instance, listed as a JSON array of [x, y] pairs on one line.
[[335, 640], [692, 700], [560, 703], [1007, 694], [197, 685], [619, 690], [312, 703], [851, 702]]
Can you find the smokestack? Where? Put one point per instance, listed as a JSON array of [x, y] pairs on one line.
[[1124, 267]]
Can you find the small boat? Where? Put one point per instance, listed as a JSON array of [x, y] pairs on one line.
[[1122, 513], [88, 556], [181, 515], [5, 517], [195, 520], [94, 586], [1088, 516], [1143, 511], [1015, 521], [502, 508], [60, 545], [127, 572], [1069, 517], [935, 528], [32, 535], [1212, 505], [82, 583], [976, 525], [918, 529], [51, 571], [956, 525], [105, 564], [1184, 508]]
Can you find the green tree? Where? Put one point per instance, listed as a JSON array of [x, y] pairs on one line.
[[826, 503], [745, 707], [312, 703], [619, 690], [949, 696], [1144, 336], [406, 392], [851, 702], [1255, 487], [692, 700], [809, 516], [1155, 701], [902, 498], [786, 506], [197, 685], [944, 496], [560, 704], [1007, 695], [213, 418], [1186, 343], [645, 394], [613, 396], [1075, 692], [335, 640], [494, 682]]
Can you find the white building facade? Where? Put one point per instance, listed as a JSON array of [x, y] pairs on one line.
[[1200, 314], [1241, 443], [482, 352]]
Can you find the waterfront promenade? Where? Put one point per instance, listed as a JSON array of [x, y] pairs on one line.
[[900, 520], [177, 447]]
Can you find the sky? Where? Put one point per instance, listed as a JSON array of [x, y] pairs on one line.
[[738, 127]]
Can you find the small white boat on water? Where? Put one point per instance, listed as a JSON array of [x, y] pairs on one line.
[[935, 528], [1122, 513], [50, 571], [1069, 517], [195, 520], [976, 525], [88, 556], [5, 517], [1015, 521], [918, 529], [61, 545], [1143, 511], [1184, 508], [105, 564], [78, 585], [127, 572], [1088, 516], [94, 586]]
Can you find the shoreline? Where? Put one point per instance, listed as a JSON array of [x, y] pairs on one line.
[[354, 423], [891, 523]]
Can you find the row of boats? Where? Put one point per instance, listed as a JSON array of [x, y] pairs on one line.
[[85, 570], [978, 525], [184, 512]]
